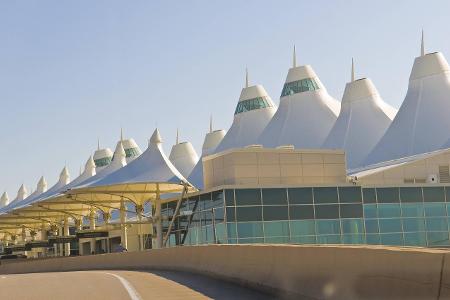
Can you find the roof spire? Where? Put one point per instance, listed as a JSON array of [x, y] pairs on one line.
[[121, 134], [246, 77], [353, 70], [98, 143], [422, 46], [176, 142], [210, 124], [294, 59]]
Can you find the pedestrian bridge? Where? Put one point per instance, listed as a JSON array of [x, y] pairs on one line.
[[310, 272]]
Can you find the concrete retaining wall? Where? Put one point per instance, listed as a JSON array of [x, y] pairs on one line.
[[316, 272]]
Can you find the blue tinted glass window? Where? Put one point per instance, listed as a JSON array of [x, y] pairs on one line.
[[276, 240], [251, 213], [370, 211], [390, 225], [217, 198], [412, 210], [435, 209], [395, 239], [219, 214], [325, 195], [311, 239], [371, 226], [350, 195], [301, 212], [252, 104], [434, 194], [436, 224], [231, 214], [229, 197], [388, 210], [273, 213], [387, 195], [437, 239], [248, 197], [415, 239], [369, 195], [250, 229], [304, 85], [354, 226], [353, 239], [373, 239], [328, 227], [413, 224], [327, 211], [231, 230], [351, 210], [329, 239], [300, 196], [280, 228], [274, 196], [306, 227], [411, 194]]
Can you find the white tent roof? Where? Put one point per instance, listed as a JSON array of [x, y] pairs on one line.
[[363, 120], [132, 149], [212, 140], [150, 172], [183, 157], [253, 112], [102, 157], [422, 124], [40, 188], [306, 112], [22, 193], [4, 200]]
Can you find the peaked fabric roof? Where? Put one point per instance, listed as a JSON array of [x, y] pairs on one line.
[[422, 123], [253, 112], [183, 157], [306, 112], [363, 120], [150, 173], [4, 199], [212, 140]]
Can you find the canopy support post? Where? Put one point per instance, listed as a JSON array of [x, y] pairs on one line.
[[158, 219], [66, 233], [175, 214], [44, 237], [79, 226], [61, 233], [123, 226], [92, 227]]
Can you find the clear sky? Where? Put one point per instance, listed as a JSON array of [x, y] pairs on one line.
[[72, 71]]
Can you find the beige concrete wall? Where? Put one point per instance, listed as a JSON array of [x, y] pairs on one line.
[[417, 171], [314, 272], [274, 166]]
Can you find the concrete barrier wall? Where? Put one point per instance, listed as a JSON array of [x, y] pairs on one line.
[[313, 272]]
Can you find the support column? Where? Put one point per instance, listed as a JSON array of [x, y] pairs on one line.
[[66, 233], [61, 233], [139, 211], [123, 226], [79, 226], [54, 229], [158, 220], [106, 219], [24, 237], [44, 237], [92, 227]]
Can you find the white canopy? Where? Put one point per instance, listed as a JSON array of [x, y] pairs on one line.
[[306, 112], [212, 140], [422, 123], [253, 112], [363, 120], [4, 200], [183, 157]]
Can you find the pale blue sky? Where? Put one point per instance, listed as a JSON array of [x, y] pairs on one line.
[[72, 71]]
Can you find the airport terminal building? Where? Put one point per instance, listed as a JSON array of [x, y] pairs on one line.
[[311, 170]]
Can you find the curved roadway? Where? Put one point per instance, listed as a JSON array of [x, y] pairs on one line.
[[115, 285]]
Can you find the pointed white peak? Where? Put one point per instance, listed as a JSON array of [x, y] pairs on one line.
[[42, 185], [246, 78], [155, 139], [210, 124], [4, 199], [22, 193], [119, 152], [353, 71], [294, 59], [177, 141], [64, 177], [422, 46], [90, 166]]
